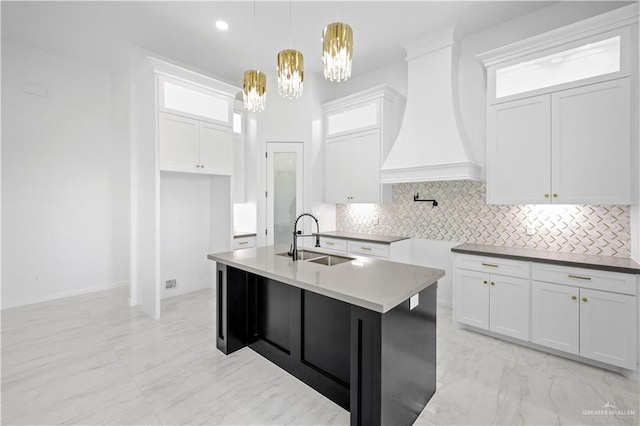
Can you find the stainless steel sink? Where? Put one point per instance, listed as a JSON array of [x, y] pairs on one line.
[[319, 258], [304, 254], [331, 260]]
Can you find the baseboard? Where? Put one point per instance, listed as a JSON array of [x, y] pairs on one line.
[[444, 303], [34, 300]]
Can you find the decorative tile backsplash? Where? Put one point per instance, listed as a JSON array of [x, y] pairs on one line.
[[463, 215]]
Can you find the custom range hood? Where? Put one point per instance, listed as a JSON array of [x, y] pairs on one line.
[[431, 144]]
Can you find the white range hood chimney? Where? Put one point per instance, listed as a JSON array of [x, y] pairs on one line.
[[431, 144]]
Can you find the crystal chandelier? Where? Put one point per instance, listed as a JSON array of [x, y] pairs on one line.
[[337, 51], [254, 82], [290, 73], [290, 69], [254, 90]]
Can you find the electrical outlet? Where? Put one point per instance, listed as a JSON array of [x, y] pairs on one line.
[[531, 229], [171, 283]]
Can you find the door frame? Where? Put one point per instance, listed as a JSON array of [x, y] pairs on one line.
[[272, 148]]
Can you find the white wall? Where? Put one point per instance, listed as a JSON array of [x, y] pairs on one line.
[[65, 176], [393, 75]]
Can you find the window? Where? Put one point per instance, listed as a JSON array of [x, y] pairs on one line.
[[578, 63], [194, 101], [353, 119], [237, 123]]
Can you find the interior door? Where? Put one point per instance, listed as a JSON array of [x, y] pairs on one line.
[[284, 189]]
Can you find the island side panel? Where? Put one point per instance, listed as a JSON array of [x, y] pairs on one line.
[[231, 309], [393, 362], [409, 358]]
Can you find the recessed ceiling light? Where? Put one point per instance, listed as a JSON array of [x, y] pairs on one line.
[[222, 26]]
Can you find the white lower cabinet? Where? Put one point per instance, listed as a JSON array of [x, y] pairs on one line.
[[585, 312], [472, 298], [608, 327], [491, 301], [555, 316], [594, 324]]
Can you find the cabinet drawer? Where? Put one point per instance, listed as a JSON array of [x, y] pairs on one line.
[[244, 242], [368, 249], [492, 265], [333, 244], [585, 278]]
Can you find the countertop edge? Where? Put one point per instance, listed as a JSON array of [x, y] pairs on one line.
[[561, 262], [377, 307], [364, 237]]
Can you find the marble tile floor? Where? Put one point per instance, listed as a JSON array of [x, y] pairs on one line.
[[91, 359]]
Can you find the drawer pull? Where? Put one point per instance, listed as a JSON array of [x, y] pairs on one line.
[[329, 243], [365, 248], [584, 299], [492, 283], [574, 298], [484, 282], [579, 277], [243, 242], [489, 264]]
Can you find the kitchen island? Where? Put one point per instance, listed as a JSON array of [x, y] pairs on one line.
[[361, 332]]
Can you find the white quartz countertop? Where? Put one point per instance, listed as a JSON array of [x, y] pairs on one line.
[[375, 284]]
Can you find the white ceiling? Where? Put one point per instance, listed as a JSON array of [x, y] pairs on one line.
[[99, 33]]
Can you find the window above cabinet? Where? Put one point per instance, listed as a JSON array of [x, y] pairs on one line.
[[597, 49], [193, 101], [589, 59]]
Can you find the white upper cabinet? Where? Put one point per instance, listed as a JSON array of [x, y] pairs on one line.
[[559, 115], [591, 144], [188, 145], [359, 130], [519, 155], [179, 143], [215, 149]]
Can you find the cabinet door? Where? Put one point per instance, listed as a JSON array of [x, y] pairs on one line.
[[178, 139], [608, 327], [509, 306], [215, 149], [555, 316], [365, 167], [592, 144], [519, 152], [472, 298], [337, 179]]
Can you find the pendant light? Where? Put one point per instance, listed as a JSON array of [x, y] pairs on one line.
[[290, 69], [337, 51], [254, 82]]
